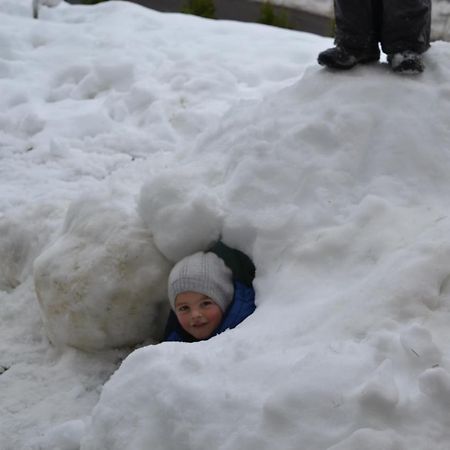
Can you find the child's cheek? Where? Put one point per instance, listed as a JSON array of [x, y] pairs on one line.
[[183, 319]]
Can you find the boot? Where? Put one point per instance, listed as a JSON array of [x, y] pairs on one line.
[[344, 59], [406, 62]]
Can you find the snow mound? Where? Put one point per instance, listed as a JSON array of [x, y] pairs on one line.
[[353, 263], [335, 183], [102, 283]]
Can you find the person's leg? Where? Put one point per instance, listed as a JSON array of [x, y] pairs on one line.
[[405, 33], [406, 25], [355, 24], [356, 34]]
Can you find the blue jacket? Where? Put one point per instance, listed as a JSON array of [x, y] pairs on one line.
[[241, 307]]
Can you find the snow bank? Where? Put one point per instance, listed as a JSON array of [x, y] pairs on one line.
[[102, 283], [103, 100], [346, 197], [336, 185]]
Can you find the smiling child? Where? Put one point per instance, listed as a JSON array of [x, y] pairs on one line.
[[206, 298]]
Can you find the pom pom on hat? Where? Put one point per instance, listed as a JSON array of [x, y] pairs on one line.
[[205, 273]]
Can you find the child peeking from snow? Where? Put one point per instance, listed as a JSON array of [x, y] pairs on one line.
[[209, 292]]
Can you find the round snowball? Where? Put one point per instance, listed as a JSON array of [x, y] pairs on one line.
[[103, 283], [182, 217]]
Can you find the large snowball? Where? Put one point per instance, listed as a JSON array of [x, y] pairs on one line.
[[102, 284], [184, 217]]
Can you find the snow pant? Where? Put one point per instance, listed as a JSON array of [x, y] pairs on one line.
[[397, 24]]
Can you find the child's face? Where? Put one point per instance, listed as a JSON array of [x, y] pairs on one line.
[[198, 314]]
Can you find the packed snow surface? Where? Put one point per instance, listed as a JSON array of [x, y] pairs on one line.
[[336, 184]]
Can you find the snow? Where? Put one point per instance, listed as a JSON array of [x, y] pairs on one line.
[[441, 20], [129, 132], [103, 268], [171, 204]]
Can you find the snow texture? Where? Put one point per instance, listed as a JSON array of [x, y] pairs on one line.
[[130, 138], [185, 218], [15, 247]]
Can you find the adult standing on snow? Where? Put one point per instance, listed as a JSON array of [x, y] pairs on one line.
[[401, 26]]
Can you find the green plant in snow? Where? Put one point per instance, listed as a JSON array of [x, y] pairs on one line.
[[202, 8], [268, 16]]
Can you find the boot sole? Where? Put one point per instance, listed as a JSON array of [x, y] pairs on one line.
[[328, 62]]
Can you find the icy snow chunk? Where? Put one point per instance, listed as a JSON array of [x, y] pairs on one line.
[[102, 284], [183, 220]]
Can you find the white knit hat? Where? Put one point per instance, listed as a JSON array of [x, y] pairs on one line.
[[205, 273]]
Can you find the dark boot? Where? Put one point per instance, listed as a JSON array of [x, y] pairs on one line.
[[407, 62], [343, 59]]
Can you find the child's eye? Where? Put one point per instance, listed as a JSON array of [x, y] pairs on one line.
[[183, 308], [207, 302]]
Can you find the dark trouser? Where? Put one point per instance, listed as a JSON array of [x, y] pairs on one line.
[[397, 24]]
